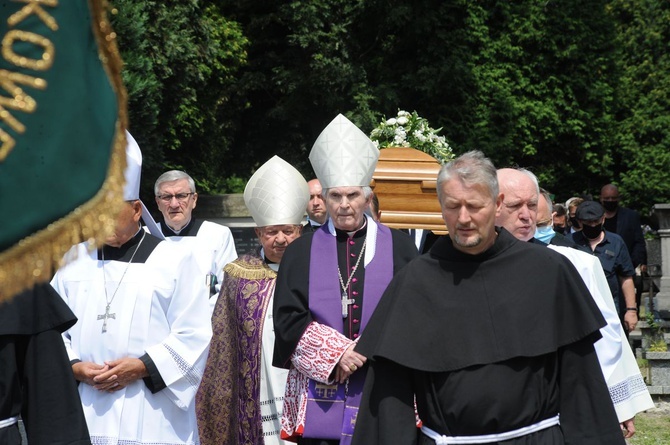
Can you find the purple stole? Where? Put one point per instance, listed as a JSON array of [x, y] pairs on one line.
[[250, 356], [332, 409]]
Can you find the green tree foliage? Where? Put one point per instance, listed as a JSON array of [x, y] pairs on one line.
[[545, 87], [301, 73], [529, 83], [577, 92], [643, 112], [181, 59]]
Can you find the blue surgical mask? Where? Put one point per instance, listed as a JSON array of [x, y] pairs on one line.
[[544, 234]]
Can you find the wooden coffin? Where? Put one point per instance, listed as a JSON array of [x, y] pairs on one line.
[[405, 183]]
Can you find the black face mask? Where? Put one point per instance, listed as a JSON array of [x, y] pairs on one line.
[[574, 223], [610, 206], [592, 232], [559, 229]]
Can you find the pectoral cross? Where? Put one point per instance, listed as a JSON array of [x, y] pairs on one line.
[[105, 317], [345, 305]]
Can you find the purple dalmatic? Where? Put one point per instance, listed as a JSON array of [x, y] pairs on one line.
[[245, 296], [332, 409]]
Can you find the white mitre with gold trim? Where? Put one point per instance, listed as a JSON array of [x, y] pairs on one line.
[[343, 156], [276, 194]]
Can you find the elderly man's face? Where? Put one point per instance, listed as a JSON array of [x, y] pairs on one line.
[[127, 224], [176, 202], [316, 207], [275, 239], [346, 207], [469, 211], [519, 211]]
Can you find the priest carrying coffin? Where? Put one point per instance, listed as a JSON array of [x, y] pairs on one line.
[[140, 344], [328, 286]]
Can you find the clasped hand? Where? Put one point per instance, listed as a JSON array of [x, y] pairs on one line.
[[112, 375], [350, 362]]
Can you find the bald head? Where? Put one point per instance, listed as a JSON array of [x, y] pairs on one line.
[[609, 198], [609, 189], [520, 195], [316, 207]]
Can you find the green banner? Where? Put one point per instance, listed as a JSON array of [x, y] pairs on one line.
[[60, 132]]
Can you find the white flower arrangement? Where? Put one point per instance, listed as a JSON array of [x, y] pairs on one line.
[[411, 130]]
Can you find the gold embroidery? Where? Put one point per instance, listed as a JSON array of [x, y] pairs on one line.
[[249, 327], [42, 64], [232, 376], [18, 100], [249, 271], [33, 7], [8, 142]]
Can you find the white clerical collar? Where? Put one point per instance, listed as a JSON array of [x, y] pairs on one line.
[[351, 234], [370, 236], [313, 223], [177, 232], [271, 265]]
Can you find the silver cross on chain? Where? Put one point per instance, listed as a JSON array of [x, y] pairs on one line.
[[105, 316], [348, 301], [345, 305]]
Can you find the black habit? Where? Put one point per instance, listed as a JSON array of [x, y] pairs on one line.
[[35, 373], [488, 343]]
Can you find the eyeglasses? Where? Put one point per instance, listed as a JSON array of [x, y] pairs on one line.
[[180, 197]]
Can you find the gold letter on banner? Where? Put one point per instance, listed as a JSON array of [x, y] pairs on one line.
[[33, 7], [18, 100], [42, 64], [6, 144]]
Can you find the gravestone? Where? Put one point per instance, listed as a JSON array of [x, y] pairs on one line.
[[662, 212]]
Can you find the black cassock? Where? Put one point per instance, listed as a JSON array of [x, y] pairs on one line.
[[36, 379], [488, 343], [291, 298]]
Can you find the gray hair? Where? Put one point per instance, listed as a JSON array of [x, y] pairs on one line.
[[173, 175], [471, 168]]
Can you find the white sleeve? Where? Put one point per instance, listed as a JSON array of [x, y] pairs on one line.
[[225, 254], [57, 284], [180, 358]]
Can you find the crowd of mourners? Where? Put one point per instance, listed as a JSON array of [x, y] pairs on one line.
[[512, 328]]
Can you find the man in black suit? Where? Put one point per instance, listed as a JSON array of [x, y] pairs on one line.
[[316, 207], [625, 223]]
